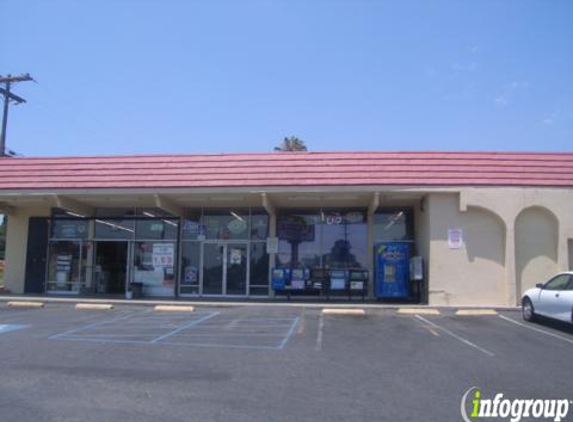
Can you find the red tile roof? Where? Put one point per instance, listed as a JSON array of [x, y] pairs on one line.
[[289, 169]]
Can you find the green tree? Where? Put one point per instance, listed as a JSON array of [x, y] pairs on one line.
[[292, 143]]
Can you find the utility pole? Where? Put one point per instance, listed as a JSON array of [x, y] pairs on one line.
[[8, 81]]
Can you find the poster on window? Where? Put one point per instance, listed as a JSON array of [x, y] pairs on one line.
[[272, 245], [455, 238], [236, 256], [63, 269], [191, 275], [163, 255]]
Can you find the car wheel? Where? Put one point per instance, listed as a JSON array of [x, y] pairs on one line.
[[528, 310]]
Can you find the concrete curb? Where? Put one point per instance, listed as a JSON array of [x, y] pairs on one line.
[[173, 308], [476, 312], [343, 311], [95, 306], [22, 304], [418, 311], [230, 304]]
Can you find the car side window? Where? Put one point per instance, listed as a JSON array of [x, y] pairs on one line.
[[570, 285], [558, 283]]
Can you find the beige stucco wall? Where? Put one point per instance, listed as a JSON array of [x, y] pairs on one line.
[[16, 243], [570, 247], [527, 211], [513, 239], [474, 274]]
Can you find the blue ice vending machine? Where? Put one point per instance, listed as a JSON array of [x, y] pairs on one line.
[[392, 269]]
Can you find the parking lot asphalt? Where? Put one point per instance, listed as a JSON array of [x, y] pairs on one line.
[[269, 364]]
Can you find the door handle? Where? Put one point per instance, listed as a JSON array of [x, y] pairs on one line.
[[556, 294]]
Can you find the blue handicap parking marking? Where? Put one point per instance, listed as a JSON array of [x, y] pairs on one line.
[[250, 333], [6, 328], [141, 327], [203, 329]]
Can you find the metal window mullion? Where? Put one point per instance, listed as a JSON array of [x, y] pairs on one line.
[[129, 264], [48, 251], [80, 265], [179, 255], [201, 268], [177, 263], [225, 251], [248, 286]]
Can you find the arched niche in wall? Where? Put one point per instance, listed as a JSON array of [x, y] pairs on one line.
[[484, 238], [536, 240]]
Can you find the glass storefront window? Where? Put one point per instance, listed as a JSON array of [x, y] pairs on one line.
[[190, 265], [154, 267], [328, 238], [156, 229], [66, 266], [63, 213], [393, 224], [153, 213], [114, 228], [191, 223], [232, 224], [259, 278], [299, 239], [115, 212], [344, 239], [150, 237], [259, 225], [69, 229]]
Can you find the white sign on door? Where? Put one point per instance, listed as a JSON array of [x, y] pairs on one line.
[[272, 245], [163, 254]]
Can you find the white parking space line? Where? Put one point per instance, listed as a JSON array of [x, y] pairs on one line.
[[242, 335], [454, 335], [320, 333], [183, 327], [96, 324], [302, 325], [539, 330], [289, 333], [430, 329], [6, 328], [202, 330]]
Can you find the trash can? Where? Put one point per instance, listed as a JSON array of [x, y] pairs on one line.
[[137, 290]]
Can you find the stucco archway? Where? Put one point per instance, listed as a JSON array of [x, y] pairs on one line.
[[536, 246], [484, 237]]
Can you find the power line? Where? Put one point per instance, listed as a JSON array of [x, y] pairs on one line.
[[9, 96]]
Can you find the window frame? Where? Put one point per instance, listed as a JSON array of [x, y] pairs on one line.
[[554, 279], [409, 220]]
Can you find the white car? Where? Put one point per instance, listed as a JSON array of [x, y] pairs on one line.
[[553, 299]]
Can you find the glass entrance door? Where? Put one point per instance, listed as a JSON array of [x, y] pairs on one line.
[[67, 266], [111, 267], [236, 270], [213, 265], [225, 268]]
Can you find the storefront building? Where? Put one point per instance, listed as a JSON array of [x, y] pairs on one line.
[[486, 226]]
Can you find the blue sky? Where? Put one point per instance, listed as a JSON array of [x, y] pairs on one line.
[[121, 77]]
